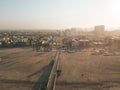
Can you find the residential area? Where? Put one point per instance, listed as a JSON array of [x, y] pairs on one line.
[[71, 59]]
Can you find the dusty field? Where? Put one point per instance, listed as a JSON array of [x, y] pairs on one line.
[[22, 68], [83, 71]]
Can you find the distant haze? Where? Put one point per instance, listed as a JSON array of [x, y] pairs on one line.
[[58, 14]]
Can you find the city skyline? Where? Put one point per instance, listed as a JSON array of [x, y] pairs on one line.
[[58, 14]]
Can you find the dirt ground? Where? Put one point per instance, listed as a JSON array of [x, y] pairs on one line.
[[83, 71], [22, 68]]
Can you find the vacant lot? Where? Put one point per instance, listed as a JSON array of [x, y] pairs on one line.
[[24, 69], [21, 68], [83, 71]]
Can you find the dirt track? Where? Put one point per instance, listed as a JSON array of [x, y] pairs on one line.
[[21, 68], [83, 71]]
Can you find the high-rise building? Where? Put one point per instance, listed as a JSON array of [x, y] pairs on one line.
[[99, 29]]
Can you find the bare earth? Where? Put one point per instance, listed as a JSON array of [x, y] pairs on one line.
[[21, 68], [83, 71]]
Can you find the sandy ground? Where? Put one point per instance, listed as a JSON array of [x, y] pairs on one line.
[[21, 68], [24, 69], [83, 71]]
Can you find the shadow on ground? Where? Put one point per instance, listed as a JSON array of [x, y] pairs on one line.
[[43, 79]]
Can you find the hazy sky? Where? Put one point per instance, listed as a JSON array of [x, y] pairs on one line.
[[58, 14]]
